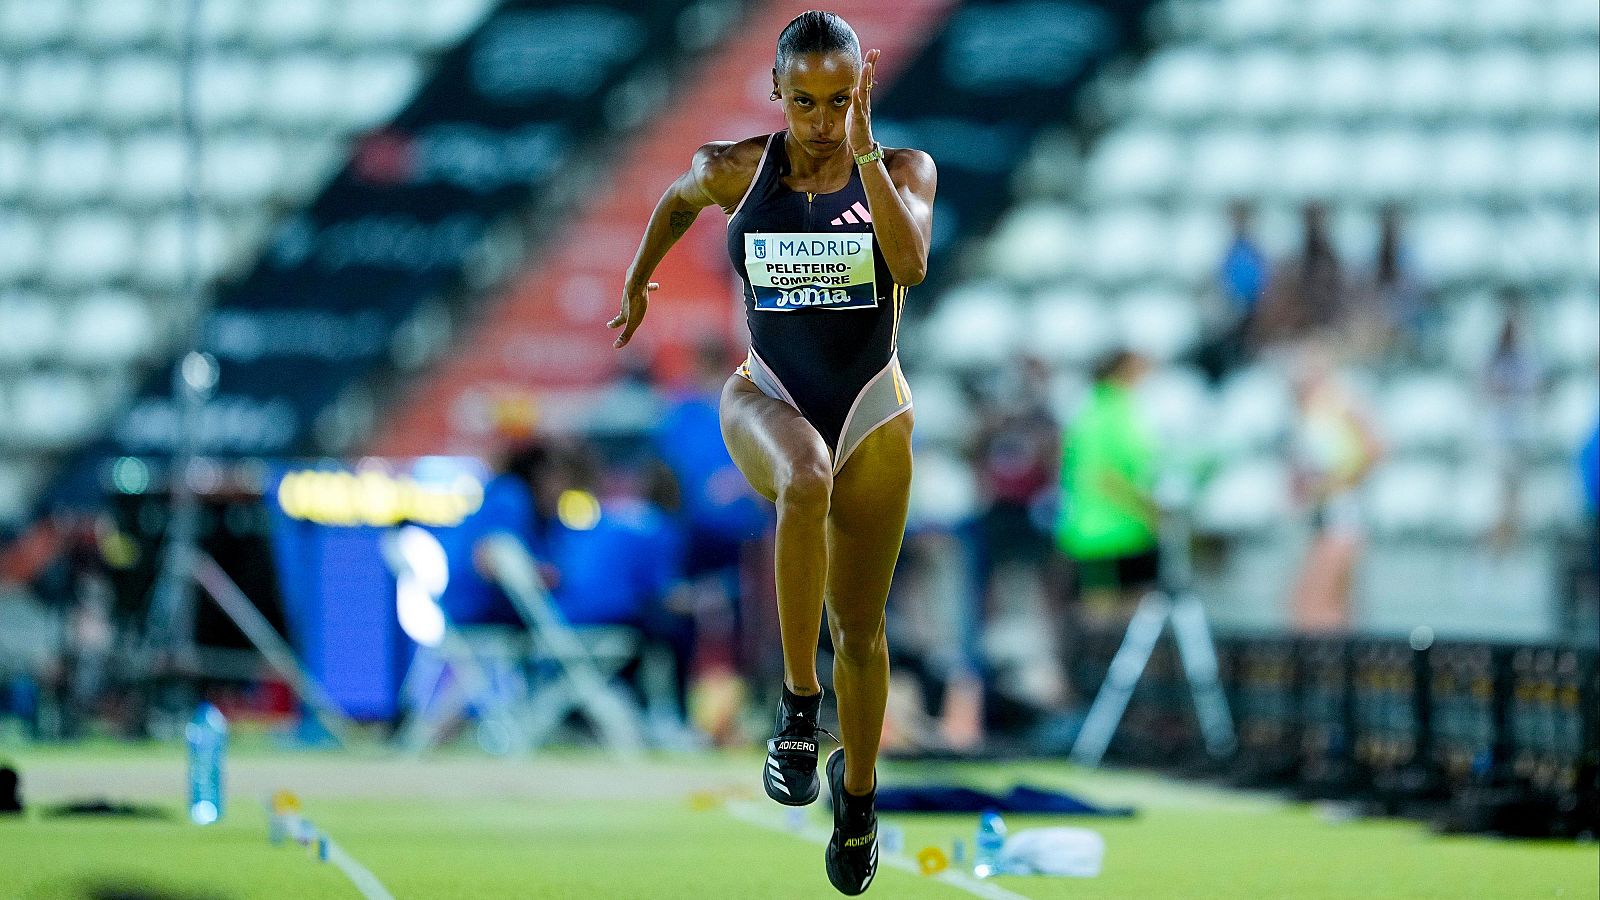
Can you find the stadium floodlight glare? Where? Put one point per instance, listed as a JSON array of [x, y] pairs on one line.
[[423, 573], [420, 617], [130, 475], [578, 510], [200, 372], [425, 557]]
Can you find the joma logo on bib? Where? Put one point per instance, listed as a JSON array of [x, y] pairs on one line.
[[789, 271], [813, 296]]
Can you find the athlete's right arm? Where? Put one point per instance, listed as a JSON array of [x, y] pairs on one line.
[[713, 177]]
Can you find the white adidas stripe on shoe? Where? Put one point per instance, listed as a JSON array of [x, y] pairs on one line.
[[791, 773], [777, 777]]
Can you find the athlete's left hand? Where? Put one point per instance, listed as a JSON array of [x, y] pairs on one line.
[[858, 118]]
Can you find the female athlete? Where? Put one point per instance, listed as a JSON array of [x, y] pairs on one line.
[[827, 230]]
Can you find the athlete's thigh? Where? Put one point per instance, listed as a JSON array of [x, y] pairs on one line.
[[867, 519], [766, 437]]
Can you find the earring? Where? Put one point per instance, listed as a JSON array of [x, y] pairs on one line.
[[774, 94]]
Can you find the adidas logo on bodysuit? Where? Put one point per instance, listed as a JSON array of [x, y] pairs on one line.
[[857, 214]]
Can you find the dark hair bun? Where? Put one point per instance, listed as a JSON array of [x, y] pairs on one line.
[[815, 32]]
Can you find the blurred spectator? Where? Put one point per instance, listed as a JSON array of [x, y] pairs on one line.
[[56, 635], [89, 635], [1109, 520], [612, 562], [1244, 266], [935, 622], [1305, 296], [1589, 472], [1014, 455], [517, 501], [719, 512], [620, 562], [1333, 449], [1241, 279], [30, 639], [1583, 573], [1511, 382], [1391, 313]]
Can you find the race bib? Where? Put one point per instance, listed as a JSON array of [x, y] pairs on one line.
[[791, 271]]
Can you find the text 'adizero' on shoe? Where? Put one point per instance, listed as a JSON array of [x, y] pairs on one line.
[[790, 776], [852, 856]]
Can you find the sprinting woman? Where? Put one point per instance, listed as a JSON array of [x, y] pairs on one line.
[[827, 231]]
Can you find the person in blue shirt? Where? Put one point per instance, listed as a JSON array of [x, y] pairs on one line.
[[616, 562], [619, 561], [1243, 275], [719, 508], [1580, 583], [718, 512], [1241, 281], [517, 501], [1589, 471], [604, 564]]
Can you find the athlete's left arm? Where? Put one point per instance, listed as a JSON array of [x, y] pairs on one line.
[[899, 189]]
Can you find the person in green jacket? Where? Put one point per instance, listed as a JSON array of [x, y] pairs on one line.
[[1109, 520]]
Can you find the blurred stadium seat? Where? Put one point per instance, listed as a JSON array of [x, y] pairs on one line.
[[1426, 411], [107, 329], [1179, 406], [1253, 411], [32, 328], [1068, 327], [1408, 496], [1481, 119], [1035, 242], [978, 329], [92, 170], [1249, 496], [943, 414]]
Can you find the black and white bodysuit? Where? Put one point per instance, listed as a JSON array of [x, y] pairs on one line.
[[823, 311]]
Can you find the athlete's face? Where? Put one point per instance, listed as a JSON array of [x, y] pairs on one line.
[[815, 89]]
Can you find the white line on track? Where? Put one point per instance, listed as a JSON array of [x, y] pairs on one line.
[[360, 876], [300, 830], [745, 811]]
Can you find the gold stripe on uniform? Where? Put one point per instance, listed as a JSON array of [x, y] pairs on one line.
[[899, 297]]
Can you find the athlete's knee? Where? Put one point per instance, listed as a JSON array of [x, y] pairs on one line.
[[805, 486], [857, 640]]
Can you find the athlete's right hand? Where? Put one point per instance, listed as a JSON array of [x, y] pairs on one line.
[[635, 300]]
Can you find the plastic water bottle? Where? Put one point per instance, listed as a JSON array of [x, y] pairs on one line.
[[990, 841], [892, 838], [207, 735]]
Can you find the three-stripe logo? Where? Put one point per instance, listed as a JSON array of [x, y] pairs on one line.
[[857, 214]]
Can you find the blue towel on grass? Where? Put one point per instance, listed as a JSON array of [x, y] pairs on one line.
[[943, 798]]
